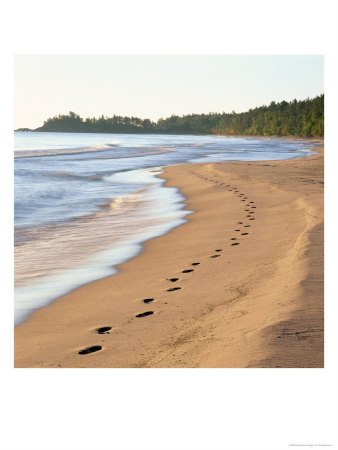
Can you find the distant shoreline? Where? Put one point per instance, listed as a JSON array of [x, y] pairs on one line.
[[305, 138]]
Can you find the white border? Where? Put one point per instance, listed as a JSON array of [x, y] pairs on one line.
[[169, 409]]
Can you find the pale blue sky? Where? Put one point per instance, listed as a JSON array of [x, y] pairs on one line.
[[158, 86]]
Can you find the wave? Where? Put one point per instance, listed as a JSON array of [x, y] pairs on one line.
[[126, 201], [159, 151], [97, 148], [200, 144], [67, 175], [63, 151]]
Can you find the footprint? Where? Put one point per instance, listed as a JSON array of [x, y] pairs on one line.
[[145, 314], [253, 207], [244, 234], [247, 210], [187, 270], [235, 243], [248, 215], [251, 202], [172, 279], [86, 351], [195, 264], [240, 223], [218, 250], [242, 200], [246, 226], [252, 218], [103, 330], [233, 239], [237, 230], [215, 256], [148, 300], [173, 289]]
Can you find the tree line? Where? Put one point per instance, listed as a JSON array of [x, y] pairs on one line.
[[296, 118]]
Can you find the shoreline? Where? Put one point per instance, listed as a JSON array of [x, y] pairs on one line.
[[93, 240], [224, 289], [253, 136]]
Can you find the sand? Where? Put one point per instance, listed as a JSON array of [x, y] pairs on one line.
[[259, 303]]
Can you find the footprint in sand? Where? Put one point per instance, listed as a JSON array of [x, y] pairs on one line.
[[148, 300], [252, 218], [233, 239], [86, 351], [218, 250], [173, 289], [235, 243], [244, 234], [215, 256], [103, 330], [195, 264], [246, 226], [187, 270], [172, 279], [145, 314]]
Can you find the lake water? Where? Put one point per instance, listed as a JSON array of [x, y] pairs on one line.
[[85, 202]]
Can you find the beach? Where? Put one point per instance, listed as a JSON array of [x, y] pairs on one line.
[[240, 284]]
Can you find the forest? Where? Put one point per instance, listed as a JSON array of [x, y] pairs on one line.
[[303, 118]]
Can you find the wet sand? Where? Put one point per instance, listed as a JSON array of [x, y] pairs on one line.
[[239, 285]]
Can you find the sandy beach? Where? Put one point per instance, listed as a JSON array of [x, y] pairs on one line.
[[239, 285]]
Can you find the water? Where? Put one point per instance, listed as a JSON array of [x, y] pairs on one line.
[[85, 202]]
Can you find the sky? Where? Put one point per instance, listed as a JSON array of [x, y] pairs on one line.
[[153, 86]]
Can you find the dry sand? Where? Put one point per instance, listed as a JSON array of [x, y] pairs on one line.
[[256, 304]]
